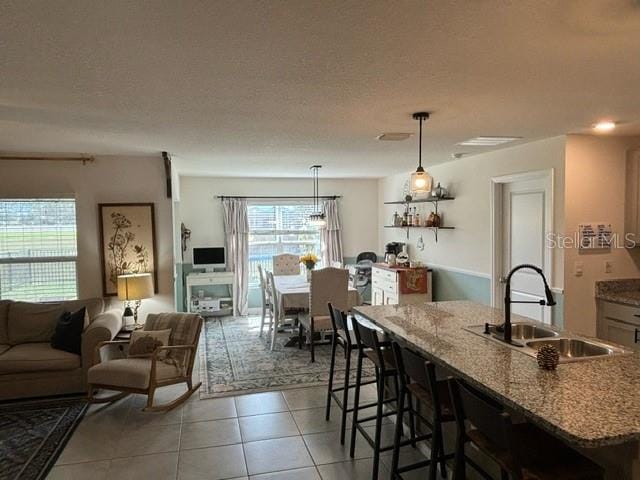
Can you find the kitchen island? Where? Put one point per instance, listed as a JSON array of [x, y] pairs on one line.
[[593, 405]]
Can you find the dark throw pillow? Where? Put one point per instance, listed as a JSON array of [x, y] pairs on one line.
[[68, 334]]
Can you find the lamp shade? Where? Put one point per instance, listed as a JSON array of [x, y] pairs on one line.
[[421, 182], [135, 286]]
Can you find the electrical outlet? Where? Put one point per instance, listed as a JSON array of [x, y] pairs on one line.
[[608, 266], [578, 269]]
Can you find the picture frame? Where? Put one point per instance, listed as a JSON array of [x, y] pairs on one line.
[[127, 242]]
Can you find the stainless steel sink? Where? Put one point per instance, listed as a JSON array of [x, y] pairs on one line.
[[574, 347], [528, 337], [527, 331]]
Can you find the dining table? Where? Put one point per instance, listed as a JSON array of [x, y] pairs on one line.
[[293, 292]]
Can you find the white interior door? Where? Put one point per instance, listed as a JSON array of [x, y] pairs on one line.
[[525, 204]]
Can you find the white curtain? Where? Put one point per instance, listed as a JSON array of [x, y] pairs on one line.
[[330, 235], [236, 228]]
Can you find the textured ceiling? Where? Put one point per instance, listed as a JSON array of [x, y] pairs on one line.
[[268, 88]]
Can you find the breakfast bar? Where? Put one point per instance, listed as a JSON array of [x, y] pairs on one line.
[[593, 405]]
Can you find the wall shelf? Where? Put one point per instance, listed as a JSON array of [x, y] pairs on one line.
[[416, 226], [421, 200], [406, 203], [408, 227]]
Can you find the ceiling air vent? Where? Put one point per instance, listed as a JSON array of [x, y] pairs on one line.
[[487, 141], [393, 136]]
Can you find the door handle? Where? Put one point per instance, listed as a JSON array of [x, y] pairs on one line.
[[635, 336]]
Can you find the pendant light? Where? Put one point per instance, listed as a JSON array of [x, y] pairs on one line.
[[420, 180], [317, 218]]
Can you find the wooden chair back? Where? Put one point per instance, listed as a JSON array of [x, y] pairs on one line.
[[367, 337], [328, 285], [339, 322], [484, 413], [275, 307]]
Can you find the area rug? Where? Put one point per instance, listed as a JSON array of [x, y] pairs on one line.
[[234, 360], [33, 434]]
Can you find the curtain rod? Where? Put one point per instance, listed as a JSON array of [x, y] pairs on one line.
[[84, 160], [280, 197]]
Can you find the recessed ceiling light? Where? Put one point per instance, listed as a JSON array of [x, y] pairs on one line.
[[605, 126], [487, 141], [393, 136]]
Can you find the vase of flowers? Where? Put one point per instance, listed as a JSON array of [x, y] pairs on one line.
[[309, 260]]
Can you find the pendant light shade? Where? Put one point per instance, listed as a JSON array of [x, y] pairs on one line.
[[317, 218], [421, 181]]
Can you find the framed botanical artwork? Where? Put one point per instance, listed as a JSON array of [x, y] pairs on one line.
[[128, 242]]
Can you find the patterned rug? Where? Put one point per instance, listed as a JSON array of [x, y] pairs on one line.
[[34, 432], [234, 360]]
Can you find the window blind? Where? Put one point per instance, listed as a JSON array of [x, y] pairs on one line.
[[38, 249], [279, 228]]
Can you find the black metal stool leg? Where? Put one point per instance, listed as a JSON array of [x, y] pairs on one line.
[[356, 402], [378, 432], [436, 449], [397, 435], [331, 372], [412, 421], [345, 394]]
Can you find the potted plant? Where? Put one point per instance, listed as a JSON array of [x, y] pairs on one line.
[[309, 260]]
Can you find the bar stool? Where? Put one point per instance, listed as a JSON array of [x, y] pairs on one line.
[[381, 355], [419, 384], [344, 338], [521, 450]]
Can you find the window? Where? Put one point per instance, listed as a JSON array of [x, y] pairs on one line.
[[38, 250], [279, 228]]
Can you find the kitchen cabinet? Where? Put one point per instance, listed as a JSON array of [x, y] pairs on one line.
[[400, 286], [619, 324], [632, 198]]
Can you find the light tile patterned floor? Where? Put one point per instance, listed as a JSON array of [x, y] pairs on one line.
[[275, 435]]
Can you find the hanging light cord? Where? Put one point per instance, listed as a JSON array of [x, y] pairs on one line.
[[420, 145]]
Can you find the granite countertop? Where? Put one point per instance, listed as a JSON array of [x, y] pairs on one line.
[[589, 404], [625, 291]]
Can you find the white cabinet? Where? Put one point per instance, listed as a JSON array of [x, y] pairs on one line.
[[400, 286], [619, 324], [632, 197]]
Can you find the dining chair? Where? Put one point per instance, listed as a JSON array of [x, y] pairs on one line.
[[279, 313], [328, 285], [265, 291], [286, 264]]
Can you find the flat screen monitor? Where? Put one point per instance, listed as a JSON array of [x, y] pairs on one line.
[[209, 257]]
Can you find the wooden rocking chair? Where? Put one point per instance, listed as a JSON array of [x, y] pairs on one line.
[[168, 365]]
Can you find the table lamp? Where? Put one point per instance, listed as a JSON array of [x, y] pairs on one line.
[[134, 287]]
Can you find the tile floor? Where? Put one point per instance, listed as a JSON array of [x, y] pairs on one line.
[[276, 435]]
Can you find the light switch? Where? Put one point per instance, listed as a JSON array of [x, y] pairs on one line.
[[578, 268], [608, 266]]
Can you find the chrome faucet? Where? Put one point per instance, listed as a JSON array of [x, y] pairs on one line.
[[506, 327]]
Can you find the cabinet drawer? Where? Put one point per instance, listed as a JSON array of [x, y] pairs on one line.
[[383, 274], [390, 299], [622, 333], [624, 313], [385, 285]]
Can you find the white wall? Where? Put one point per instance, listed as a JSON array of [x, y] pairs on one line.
[[594, 189], [201, 211], [108, 179], [468, 247]]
